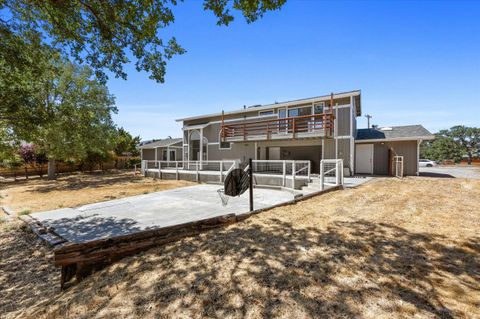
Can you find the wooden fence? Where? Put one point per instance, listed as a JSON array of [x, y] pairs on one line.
[[62, 167]]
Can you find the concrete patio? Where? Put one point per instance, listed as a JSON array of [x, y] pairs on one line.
[[154, 210]]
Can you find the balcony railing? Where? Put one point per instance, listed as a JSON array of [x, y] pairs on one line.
[[291, 127]]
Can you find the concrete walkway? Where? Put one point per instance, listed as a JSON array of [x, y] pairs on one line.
[[153, 210]]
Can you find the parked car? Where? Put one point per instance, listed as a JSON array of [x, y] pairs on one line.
[[426, 163]]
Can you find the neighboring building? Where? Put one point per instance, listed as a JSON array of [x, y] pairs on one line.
[[169, 149], [306, 129]]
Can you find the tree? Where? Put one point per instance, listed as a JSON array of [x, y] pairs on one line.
[[27, 154], [125, 143], [103, 32], [467, 137], [453, 144], [442, 148], [76, 115]]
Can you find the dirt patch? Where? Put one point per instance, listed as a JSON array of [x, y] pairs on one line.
[[390, 248], [79, 189]]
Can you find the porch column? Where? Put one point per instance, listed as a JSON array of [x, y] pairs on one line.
[[201, 148], [168, 153], [156, 151]]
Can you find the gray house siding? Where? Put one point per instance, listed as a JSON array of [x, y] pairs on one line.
[[343, 121], [407, 149]]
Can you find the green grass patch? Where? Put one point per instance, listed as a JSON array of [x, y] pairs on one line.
[[25, 212]]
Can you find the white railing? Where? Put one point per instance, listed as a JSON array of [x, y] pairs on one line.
[[295, 170], [286, 168], [223, 167], [331, 172], [398, 166]]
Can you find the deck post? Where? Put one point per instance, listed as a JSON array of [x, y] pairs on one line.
[[284, 173], [250, 181], [293, 174], [309, 168], [221, 171], [322, 177], [198, 174], [176, 170]]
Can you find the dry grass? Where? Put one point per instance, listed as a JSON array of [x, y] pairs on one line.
[[389, 249], [78, 189]]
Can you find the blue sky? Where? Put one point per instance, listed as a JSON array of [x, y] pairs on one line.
[[415, 62]]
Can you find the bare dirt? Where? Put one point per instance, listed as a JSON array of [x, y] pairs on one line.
[[78, 189], [388, 249]]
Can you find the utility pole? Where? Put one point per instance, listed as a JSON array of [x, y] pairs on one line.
[[368, 116]]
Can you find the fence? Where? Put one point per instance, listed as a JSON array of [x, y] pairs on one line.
[[65, 167], [331, 172], [398, 166]]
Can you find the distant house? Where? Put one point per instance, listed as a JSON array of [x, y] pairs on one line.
[[169, 149], [322, 127]]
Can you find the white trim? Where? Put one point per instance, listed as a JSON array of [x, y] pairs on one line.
[[344, 137], [418, 156], [413, 138], [213, 143], [278, 105], [352, 144]]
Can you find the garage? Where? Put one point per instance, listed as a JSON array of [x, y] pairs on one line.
[[376, 149]]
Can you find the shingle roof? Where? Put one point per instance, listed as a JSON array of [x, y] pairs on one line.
[[394, 132], [162, 143]]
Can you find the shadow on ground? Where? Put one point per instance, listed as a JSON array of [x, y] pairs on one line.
[[437, 175], [350, 269]]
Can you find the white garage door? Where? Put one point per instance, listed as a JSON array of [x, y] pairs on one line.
[[364, 159]]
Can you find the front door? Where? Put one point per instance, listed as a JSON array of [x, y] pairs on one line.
[[364, 159]]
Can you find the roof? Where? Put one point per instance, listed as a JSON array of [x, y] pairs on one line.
[[281, 104], [406, 132], [162, 143]]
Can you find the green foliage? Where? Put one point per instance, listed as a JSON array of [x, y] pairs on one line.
[[126, 144], [102, 32], [78, 114], [25, 212], [452, 144]]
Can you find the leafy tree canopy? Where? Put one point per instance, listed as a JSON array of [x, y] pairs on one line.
[[103, 32], [126, 143], [453, 144]]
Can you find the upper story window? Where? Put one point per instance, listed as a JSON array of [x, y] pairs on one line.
[[223, 145], [318, 107], [268, 112]]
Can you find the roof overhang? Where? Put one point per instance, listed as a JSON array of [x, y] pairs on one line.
[[397, 139], [282, 104]]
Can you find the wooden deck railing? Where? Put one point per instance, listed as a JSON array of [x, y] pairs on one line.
[[290, 125]]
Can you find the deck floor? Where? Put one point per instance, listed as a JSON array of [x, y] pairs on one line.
[[154, 210]]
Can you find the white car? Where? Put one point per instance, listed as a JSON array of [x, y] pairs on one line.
[[426, 163]]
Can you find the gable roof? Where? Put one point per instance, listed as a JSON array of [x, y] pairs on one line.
[[162, 143], [406, 132], [284, 104]]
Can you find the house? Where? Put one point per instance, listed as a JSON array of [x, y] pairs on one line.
[[169, 149], [311, 129]]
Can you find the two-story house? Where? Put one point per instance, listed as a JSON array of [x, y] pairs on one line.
[[322, 127]]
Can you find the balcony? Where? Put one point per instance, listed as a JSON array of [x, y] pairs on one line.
[[306, 126]]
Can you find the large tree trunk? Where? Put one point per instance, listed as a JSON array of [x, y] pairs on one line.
[[51, 168]]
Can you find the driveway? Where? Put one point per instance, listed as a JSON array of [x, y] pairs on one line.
[[451, 171]]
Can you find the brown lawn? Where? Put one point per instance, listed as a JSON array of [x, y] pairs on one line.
[[388, 249], [78, 189]]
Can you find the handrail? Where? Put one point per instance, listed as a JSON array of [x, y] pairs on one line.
[[296, 124]]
